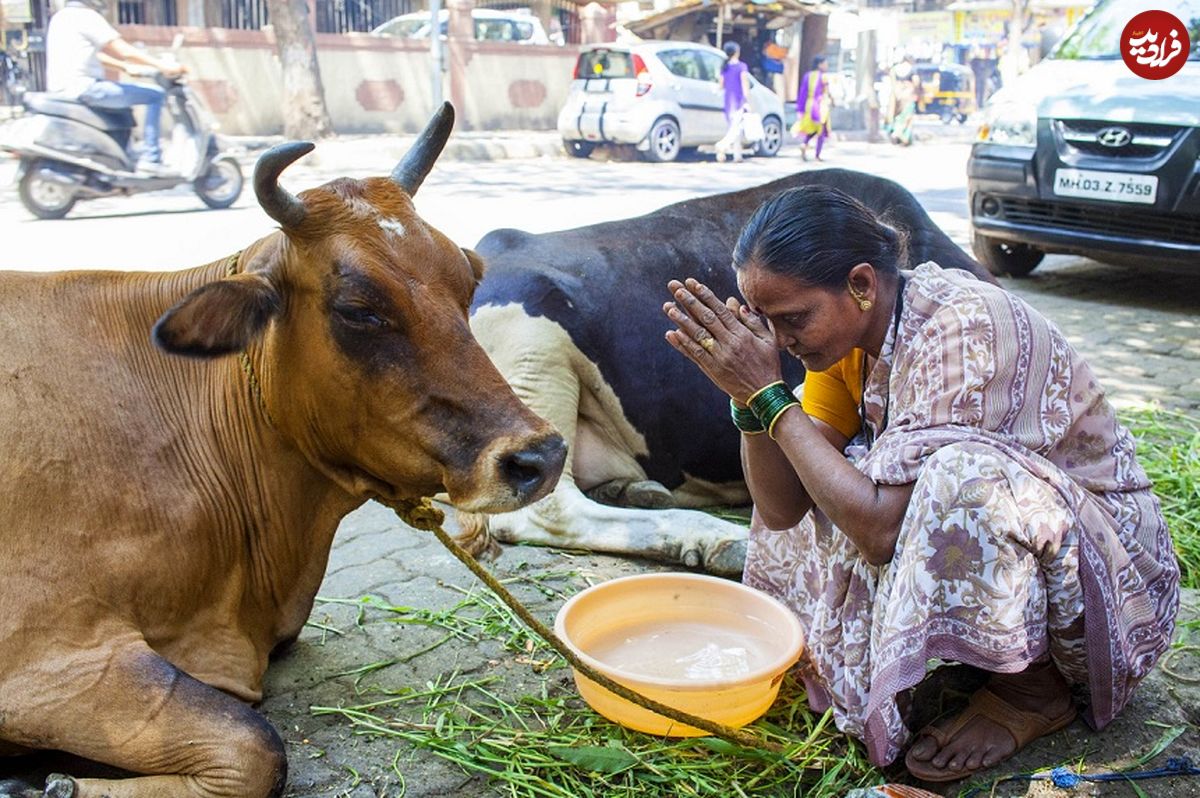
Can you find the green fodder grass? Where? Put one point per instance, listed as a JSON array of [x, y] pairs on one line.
[[552, 745], [1168, 447]]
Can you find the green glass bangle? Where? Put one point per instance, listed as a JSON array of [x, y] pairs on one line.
[[769, 403], [779, 415], [769, 400], [764, 389], [745, 420]]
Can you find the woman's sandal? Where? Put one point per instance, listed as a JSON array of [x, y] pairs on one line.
[[1022, 726]]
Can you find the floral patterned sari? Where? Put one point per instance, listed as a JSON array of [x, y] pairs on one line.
[[1032, 530]]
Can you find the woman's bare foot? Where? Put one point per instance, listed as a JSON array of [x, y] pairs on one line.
[[1002, 717]]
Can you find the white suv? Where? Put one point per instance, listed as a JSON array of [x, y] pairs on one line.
[[662, 96]]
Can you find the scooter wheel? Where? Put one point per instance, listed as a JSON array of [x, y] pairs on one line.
[[45, 199], [221, 184]]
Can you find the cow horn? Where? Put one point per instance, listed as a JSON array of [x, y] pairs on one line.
[[280, 204], [411, 171]]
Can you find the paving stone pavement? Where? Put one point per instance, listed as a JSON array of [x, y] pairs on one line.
[[1139, 330]]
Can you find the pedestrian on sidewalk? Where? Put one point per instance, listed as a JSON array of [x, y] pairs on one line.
[[909, 97], [735, 82], [813, 107]]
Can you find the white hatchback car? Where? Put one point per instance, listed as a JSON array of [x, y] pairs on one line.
[[662, 96]]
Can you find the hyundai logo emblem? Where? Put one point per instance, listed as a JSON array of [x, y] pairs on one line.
[[1114, 137]]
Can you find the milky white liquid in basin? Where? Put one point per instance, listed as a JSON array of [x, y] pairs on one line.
[[685, 650]]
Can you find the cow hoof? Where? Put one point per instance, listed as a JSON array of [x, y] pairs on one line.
[[691, 558], [727, 558], [59, 786], [648, 495], [645, 494], [17, 788], [607, 492]]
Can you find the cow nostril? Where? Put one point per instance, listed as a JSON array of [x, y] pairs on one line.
[[530, 469], [523, 470]]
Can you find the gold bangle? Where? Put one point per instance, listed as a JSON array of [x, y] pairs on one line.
[[779, 415], [765, 387]]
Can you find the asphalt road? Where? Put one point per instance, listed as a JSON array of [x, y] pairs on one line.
[[465, 199]]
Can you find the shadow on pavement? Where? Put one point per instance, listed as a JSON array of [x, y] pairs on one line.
[[1120, 286]]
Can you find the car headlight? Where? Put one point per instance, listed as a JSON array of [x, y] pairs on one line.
[[1012, 123]]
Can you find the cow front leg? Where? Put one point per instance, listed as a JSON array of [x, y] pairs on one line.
[[134, 710]]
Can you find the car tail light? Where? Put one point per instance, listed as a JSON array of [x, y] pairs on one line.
[[643, 75], [578, 63]]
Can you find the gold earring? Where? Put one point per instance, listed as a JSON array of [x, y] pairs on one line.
[[864, 304]]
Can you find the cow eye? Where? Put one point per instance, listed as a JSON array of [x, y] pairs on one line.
[[359, 316]]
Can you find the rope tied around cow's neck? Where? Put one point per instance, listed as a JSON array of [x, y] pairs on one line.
[[422, 515], [231, 268]]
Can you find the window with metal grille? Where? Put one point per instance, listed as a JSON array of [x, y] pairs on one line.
[[147, 12], [343, 16], [243, 14]]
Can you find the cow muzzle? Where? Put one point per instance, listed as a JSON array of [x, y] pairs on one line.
[[513, 477]]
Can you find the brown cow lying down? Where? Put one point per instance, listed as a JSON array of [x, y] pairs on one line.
[[574, 321], [166, 520]]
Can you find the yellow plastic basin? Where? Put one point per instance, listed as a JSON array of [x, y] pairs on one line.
[[707, 646]]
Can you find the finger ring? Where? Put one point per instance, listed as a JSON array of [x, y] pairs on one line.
[[707, 343]]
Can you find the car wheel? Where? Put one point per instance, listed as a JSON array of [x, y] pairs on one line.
[[772, 138], [946, 114], [45, 198], [1005, 258], [579, 149], [664, 141]]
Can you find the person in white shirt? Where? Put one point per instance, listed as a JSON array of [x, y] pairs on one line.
[[79, 44]]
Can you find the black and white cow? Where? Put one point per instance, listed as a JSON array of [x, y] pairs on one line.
[[573, 321]]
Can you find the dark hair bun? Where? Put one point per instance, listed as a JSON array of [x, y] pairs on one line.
[[817, 234]]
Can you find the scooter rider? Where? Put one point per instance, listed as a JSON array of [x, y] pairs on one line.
[[79, 43]]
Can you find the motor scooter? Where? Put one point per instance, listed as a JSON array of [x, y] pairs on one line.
[[69, 151]]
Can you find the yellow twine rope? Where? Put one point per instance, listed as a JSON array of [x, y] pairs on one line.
[[421, 514], [243, 358]]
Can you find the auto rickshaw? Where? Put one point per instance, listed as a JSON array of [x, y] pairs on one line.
[[948, 91]]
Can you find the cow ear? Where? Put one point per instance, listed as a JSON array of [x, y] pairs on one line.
[[477, 263], [218, 318]]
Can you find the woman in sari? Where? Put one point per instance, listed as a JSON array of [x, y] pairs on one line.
[[908, 98], [735, 85], [952, 486], [813, 104]]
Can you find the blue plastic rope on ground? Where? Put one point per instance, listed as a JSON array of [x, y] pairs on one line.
[[1066, 778]]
